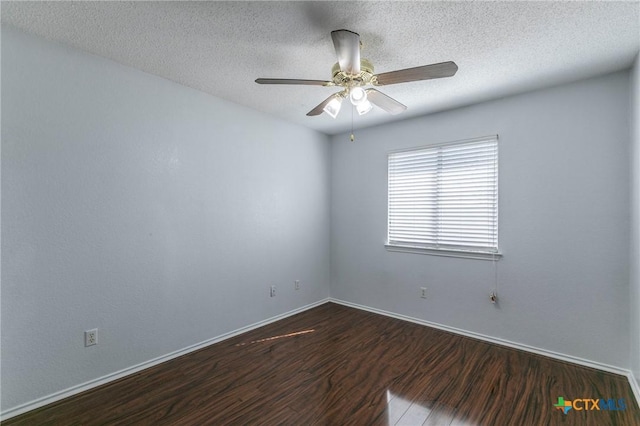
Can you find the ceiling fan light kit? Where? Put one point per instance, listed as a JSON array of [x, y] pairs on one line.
[[333, 106], [364, 107], [357, 95], [353, 73]]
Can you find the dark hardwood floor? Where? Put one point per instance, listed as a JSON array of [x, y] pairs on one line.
[[334, 365]]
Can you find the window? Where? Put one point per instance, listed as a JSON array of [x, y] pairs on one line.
[[443, 199]]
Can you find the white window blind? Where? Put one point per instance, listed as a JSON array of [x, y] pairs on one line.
[[445, 197]]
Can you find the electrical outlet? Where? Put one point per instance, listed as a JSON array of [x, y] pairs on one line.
[[273, 291], [423, 292], [296, 285], [91, 337]]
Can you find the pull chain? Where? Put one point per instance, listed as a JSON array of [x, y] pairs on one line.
[[353, 138]]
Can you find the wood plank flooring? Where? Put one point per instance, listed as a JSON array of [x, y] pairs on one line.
[[334, 365]]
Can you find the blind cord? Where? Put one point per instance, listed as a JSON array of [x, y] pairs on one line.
[[494, 295]]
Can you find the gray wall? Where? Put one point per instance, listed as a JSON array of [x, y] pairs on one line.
[[635, 219], [154, 212], [564, 223], [161, 215]]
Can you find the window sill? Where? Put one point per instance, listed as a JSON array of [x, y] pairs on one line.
[[478, 255]]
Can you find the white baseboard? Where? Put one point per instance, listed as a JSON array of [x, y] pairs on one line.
[[503, 342], [634, 387], [57, 396]]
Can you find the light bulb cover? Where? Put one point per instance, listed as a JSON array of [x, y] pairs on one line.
[[357, 95], [333, 107], [364, 107]]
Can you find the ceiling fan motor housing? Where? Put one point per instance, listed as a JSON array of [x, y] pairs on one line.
[[340, 78]]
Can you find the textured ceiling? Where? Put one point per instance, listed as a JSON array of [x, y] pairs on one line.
[[501, 48]]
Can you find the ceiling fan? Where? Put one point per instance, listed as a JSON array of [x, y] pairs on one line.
[[354, 73]]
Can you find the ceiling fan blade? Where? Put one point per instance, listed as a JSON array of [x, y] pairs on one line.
[[425, 72], [320, 108], [347, 45], [385, 102], [293, 81]]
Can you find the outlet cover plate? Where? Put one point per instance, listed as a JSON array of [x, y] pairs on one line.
[[91, 337]]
